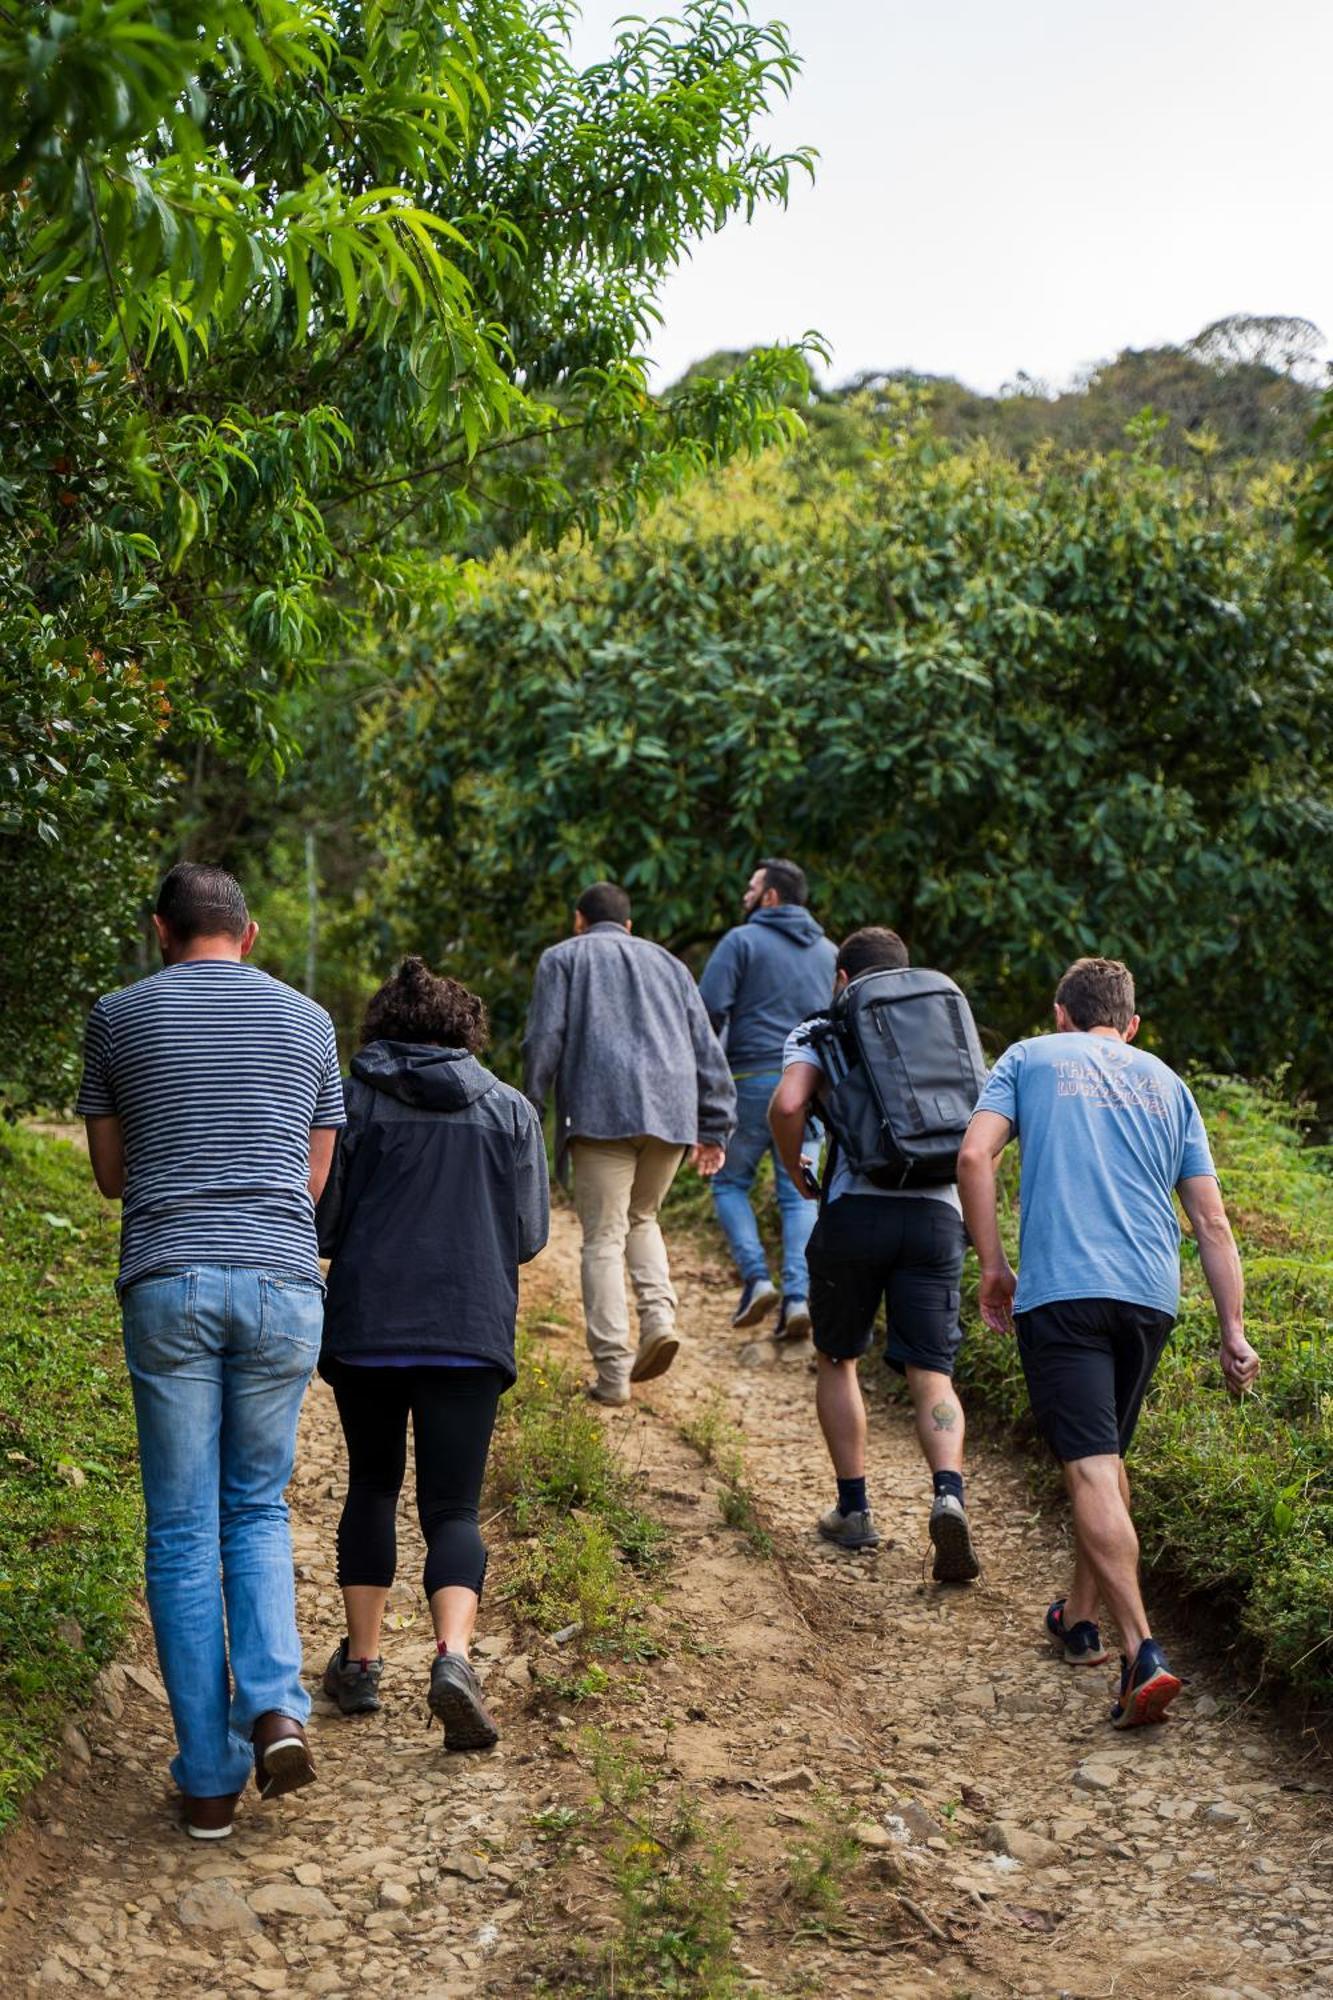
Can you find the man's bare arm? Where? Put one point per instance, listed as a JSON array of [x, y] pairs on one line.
[[323, 1139], [984, 1141], [106, 1150], [1201, 1199], [788, 1111]]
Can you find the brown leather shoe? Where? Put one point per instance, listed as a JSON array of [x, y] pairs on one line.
[[210, 1819], [282, 1756]]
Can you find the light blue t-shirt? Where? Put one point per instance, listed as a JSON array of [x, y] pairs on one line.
[[1105, 1132]]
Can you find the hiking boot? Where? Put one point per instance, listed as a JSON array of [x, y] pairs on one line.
[[1147, 1689], [455, 1699], [282, 1756], [794, 1321], [1081, 1643], [955, 1557], [609, 1390], [353, 1684], [758, 1298], [211, 1819], [656, 1353], [849, 1531]]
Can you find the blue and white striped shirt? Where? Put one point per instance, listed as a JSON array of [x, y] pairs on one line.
[[217, 1073]]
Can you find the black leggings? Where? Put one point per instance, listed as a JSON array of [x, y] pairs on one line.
[[453, 1415]]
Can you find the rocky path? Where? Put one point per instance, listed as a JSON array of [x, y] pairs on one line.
[[998, 1837]]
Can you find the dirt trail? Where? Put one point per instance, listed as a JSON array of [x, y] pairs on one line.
[[1194, 1860]]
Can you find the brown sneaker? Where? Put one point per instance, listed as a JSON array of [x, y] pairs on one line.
[[210, 1819], [282, 1756], [656, 1353]]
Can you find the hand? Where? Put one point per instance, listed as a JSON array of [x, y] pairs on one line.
[[807, 1181], [1240, 1363], [996, 1298], [709, 1160]]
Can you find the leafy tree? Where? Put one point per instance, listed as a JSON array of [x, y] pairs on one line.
[[303, 307], [1021, 714]]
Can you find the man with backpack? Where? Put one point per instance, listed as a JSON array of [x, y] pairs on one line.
[[1106, 1134], [893, 1070], [764, 976]]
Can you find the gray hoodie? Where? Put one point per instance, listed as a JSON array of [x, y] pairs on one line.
[[763, 979], [617, 1025]]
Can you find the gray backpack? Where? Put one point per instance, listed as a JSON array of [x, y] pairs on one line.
[[905, 1069]]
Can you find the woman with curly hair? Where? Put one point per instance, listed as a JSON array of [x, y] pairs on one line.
[[438, 1193]]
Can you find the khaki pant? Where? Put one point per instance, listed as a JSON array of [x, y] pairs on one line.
[[619, 1185]]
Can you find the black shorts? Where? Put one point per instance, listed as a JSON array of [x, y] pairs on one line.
[[1087, 1363], [905, 1250]]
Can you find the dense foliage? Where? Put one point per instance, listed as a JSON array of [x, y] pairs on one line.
[[1235, 1500], [304, 305], [1019, 712], [69, 1488]]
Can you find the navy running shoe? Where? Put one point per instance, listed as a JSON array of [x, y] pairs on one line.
[[759, 1297], [1080, 1643], [1147, 1688]]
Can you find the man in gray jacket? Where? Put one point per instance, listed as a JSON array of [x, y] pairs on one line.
[[617, 1025], [770, 973]]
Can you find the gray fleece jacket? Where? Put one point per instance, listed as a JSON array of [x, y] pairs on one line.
[[617, 1026]]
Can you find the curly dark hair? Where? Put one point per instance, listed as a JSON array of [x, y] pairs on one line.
[[418, 1005]]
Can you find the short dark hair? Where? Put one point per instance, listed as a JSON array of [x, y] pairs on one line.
[[199, 900], [1097, 993], [787, 879], [604, 903], [418, 1005], [871, 949]]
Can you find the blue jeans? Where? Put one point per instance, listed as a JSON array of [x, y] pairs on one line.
[[731, 1192], [219, 1358]]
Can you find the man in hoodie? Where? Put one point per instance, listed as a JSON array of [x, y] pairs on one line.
[[766, 976], [616, 1025]]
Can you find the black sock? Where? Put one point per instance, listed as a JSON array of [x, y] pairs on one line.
[[949, 1482], [852, 1496]]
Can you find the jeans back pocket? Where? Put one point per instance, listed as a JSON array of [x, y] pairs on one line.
[[160, 1322]]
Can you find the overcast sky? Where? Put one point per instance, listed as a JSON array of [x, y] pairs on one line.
[[1031, 184]]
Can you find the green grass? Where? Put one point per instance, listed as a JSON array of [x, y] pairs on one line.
[[581, 1548], [1235, 1500], [69, 1493], [676, 1895], [720, 1444]]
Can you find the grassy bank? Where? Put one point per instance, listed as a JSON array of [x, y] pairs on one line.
[[69, 1497], [1235, 1500]]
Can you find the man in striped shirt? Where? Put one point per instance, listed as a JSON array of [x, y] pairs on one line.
[[212, 1097]]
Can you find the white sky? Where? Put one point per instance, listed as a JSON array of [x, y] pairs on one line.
[[1035, 184]]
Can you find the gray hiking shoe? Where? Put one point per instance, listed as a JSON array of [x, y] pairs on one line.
[[758, 1298], [455, 1699], [955, 1557], [353, 1684], [655, 1355], [849, 1531]]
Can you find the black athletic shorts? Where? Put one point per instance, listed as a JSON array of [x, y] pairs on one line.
[[905, 1250], [1088, 1363]]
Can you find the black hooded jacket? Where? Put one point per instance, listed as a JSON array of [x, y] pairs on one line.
[[438, 1193]]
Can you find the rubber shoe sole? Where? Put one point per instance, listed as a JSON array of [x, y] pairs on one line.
[[287, 1765], [467, 1726], [764, 1302], [1147, 1703], [955, 1557], [654, 1357]]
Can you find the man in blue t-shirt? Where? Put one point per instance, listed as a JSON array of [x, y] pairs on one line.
[[212, 1099], [1106, 1133]]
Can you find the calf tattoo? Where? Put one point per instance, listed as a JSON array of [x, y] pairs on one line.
[[945, 1416]]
